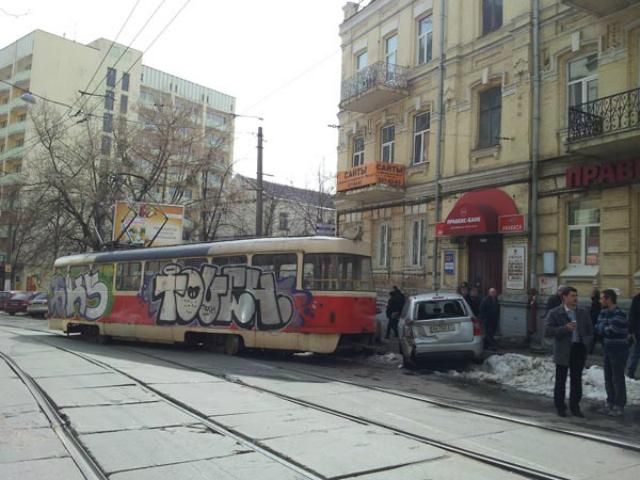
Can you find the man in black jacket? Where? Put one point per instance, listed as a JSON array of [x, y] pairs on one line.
[[490, 316], [634, 331], [394, 307]]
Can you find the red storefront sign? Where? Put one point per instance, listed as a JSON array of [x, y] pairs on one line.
[[512, 223], [605, 173]]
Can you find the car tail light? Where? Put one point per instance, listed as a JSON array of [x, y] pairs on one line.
[[477, 327]]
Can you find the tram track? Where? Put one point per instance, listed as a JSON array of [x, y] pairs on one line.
[[506, 465]]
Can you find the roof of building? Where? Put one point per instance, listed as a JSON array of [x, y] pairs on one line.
[[287, 192]]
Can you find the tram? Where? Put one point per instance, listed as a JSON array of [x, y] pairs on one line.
[[309, 294]]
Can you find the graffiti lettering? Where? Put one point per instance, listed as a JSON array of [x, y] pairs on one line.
[[85, 296], [239, 294]]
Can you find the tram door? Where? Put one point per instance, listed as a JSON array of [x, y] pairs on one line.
[[485, 262]]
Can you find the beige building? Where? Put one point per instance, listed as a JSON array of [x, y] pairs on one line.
[[500, 193], [117, 86]]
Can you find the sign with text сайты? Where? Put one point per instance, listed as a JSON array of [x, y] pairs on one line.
[[138, 223]]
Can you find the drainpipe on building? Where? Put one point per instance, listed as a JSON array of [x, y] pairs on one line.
[[439, 141], [535, 146]]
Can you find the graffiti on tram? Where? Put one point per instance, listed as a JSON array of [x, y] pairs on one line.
[[244, 296], [86, 295]]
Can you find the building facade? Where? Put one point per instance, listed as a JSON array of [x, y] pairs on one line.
[[454, 171], [101, 81]]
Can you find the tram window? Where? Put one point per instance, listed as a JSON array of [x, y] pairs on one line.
[[152, 268], [128, 276], [230, 260], [325, 271], [284, 265], [76, 271], [192, 262]]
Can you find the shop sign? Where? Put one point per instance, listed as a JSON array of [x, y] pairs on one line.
[[512, 223], [449, 262], [440, 229], [605, 173], [371, 173], [516, 267]]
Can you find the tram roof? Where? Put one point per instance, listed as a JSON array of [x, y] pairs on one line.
[[222, 248]]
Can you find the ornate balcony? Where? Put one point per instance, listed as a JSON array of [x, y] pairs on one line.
[[607, 120], [372, 182], [601, 7], [374, 87]]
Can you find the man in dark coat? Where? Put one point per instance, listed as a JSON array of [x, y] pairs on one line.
[[554, 300], [490, 316], [475, 300], [634, 331], [572, 330], [394, 307]]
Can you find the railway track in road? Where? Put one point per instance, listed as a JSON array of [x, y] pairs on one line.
[[506, 465], [80, 455]]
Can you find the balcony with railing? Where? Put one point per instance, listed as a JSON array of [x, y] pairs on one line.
[[372, 182], [607, 120], [374, 87], [601, 7]]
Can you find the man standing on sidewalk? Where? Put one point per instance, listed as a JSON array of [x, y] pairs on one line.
[[634, 330], [490, 316], [572, 329], [614, 329]]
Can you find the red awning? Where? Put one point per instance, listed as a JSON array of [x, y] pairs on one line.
[[477, 213]]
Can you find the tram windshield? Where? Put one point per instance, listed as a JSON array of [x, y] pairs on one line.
[[335, 271]]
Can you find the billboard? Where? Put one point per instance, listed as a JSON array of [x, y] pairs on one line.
[[139, 223]]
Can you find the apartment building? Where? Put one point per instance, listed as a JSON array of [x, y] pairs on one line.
[[117, 88], [451, 171]]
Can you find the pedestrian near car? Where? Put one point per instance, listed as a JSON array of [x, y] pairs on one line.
[[394, 307], [475, 300], [613, 327], [594, 312], [571, 328], [634, 331], [490, 316]]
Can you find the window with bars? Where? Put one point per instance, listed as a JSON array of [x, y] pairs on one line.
[[425, 40], [490, 117], [388, 135], [358, 151], [584, 233], [421, 128]]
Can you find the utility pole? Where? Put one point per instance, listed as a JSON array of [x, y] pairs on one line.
[[259, 187]]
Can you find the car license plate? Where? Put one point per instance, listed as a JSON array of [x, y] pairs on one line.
[[447, 327]]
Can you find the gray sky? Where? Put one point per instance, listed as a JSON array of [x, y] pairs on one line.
[[279, 58]]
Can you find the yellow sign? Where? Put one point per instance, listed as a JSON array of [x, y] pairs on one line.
[[139, 223]]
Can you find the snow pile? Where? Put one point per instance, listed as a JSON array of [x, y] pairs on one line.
[[537, 374], [387, 359]]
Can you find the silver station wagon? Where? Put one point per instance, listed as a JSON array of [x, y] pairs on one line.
[[436, 324]]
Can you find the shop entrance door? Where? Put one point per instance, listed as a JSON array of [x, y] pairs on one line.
[[485, 262]]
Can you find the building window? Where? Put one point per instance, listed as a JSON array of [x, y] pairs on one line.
[[124, 104], [418, 241], [383, 245], [361, 60], [125, 82], [107, 122], [490, 113], [391, 50], [19, 143], [105, 148], [491, 15], [584, 233], [421, 127], [283, 221], [425, 40], [111, 77], [358, 151], [108, 100], [583, 80], [388, 138]]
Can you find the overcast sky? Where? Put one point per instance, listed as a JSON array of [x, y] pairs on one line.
[[279, 58]]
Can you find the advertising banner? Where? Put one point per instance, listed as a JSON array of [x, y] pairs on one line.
[[138, 223], [516, 267]]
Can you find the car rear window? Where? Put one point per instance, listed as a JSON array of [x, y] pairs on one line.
[[433, 309], [20, 296]]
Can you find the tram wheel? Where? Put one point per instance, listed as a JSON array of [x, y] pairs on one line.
[[233, 344]]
